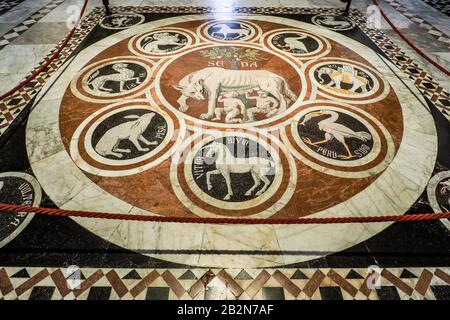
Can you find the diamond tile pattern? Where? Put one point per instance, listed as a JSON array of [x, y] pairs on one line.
[[164, 284], [435, 33]]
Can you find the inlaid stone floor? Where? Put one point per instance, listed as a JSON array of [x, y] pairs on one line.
[[6, 5], [261, 113]]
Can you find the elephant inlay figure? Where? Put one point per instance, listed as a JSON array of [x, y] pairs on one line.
[[345, 74]]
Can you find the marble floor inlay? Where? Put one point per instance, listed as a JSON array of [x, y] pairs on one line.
[[6, 5], [433, 31], [160, 112], [441, 5]]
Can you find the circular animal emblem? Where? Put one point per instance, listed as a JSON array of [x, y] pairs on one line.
[[229, 30], [332, 22], [335, 135], [438, 192], [340, 140], [128, 134], [124, 138], [443, 195], [295, 42], [17, 188], [299, 43], [112, 79], [344, 79], [115, 78], [161, 42], [238, 174], [230, 86], [320, 147], [119, 21], [233, 169]]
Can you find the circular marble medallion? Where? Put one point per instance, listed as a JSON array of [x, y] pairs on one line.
[[112, 79], [163, 42], [238, 86], [229, 31], [439, 192], [233, 173], [124, 138], [340, 140], [299, 43], [333, 22], [21, 189], [258, 131], [119, 21], [344, 80]]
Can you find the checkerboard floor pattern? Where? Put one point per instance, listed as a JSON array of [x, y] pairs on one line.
[[431, 30], [6, 5], [441, 5], [15, 32], [11, 106]]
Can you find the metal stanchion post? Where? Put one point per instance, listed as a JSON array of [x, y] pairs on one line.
[[347, 7], [106, 4]]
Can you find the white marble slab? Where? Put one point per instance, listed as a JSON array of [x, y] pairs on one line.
[[19, 60]]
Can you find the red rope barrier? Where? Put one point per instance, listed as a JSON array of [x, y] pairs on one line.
[[412, 45], [120, 216], [50, 60]]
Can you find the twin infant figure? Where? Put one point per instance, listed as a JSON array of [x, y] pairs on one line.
[[234, 108]]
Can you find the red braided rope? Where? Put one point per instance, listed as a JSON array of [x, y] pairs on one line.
[[412, 45], [49, 60], [119, 216]]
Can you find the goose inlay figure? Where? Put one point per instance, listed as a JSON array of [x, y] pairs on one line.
[[334, 130]]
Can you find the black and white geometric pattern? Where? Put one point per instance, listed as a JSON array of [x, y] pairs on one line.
[[431, 30], [6, 5], [41, 283], [13, 105], [437, 95], [15, 32], [441, 5]]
